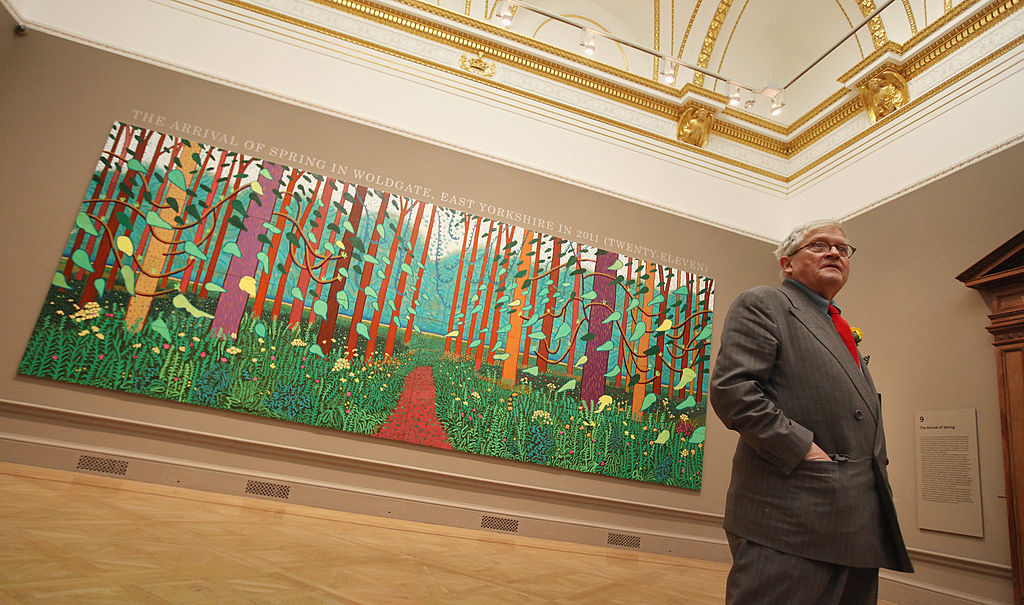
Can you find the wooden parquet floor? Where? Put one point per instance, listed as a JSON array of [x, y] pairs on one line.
[[78, 538]]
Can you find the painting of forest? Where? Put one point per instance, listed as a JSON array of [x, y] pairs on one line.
[[204, 276]]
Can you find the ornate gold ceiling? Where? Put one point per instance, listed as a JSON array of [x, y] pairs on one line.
[[869, 77]]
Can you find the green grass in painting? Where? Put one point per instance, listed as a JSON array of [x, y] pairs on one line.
[[273, 376], [532, 422], [538, 419]]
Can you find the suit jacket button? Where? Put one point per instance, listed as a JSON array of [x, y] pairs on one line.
[[859, 415]]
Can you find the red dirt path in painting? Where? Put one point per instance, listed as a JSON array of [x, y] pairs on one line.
[[414, 419]]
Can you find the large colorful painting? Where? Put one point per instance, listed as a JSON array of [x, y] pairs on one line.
[[205, 276]]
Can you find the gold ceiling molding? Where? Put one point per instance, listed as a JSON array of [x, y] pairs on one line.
[[844, 113], [837, 118], [926, 96], [385, 15], [773, 176], [750, 138], [951, 42], [875, 26], [889, 47], [709, 39], [954, 40], [910, 16], [655, 104], [816, 111], [735, 129], [657, 36], [921, 35], [480, 45], [689, 26], [754, 120]]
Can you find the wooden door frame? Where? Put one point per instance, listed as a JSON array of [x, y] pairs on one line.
[[999, 276]]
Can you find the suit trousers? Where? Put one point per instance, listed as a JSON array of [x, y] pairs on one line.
[[761, 575]]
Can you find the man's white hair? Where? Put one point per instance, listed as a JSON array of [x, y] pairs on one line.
[[789, 245]]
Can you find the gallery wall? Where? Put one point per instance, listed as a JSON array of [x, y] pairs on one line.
[[923, 329], [54, 130]]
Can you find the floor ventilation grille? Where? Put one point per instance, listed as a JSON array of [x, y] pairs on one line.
[[623, 540], [499, 523], [102, 465], [272, 490]]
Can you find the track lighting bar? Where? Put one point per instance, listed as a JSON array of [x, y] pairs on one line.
[[614, 38], [828, 52], [669, 65]]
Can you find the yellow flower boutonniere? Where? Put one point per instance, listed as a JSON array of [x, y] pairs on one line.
[[858, 335]]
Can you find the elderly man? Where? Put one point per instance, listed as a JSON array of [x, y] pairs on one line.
[[809, 513]]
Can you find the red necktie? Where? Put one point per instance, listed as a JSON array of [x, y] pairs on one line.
[[844, 331]]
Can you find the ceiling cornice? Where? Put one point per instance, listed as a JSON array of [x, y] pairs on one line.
[[569, 69], [448, 76]]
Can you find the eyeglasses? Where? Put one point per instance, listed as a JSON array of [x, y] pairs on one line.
[[843, 250]]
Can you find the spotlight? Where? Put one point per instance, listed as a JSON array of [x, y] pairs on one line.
[[778, 102], [668, 71], [588, 40], [777, 95], [734, 96], [504, 12]]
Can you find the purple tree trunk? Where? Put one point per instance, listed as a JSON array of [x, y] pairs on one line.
[[593, 381], [231, 304]]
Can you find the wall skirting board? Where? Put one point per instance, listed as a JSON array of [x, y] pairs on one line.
[[261, 477]]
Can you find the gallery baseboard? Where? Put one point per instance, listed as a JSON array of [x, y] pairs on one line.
[[252, 480]]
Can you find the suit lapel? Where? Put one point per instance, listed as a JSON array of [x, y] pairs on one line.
[[822, 329]]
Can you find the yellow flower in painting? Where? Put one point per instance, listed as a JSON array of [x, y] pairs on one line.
[[233, 350], [541, 417]]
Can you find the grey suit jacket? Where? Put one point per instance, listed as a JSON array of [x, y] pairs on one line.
[[783, 378]]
